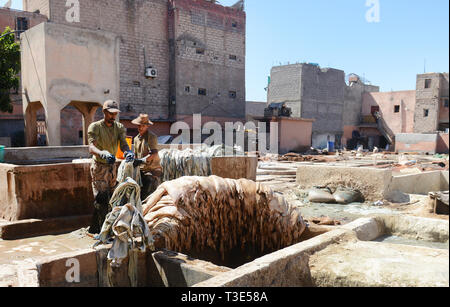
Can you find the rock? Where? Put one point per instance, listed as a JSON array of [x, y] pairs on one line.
[[327, 221], [312, 152], [398, 197], [348, 196], [378, 203], [320, 196]]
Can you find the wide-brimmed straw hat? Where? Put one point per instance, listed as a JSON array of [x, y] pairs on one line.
[[142, 120]]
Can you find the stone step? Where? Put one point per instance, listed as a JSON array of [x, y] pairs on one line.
[[34, 227]]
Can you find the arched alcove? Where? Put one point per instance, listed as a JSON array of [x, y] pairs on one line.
[[35, 125]]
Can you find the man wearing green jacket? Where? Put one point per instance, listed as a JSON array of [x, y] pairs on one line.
[[104, 137]]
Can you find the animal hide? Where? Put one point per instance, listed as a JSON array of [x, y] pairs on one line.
[[201, 212], [189, 162]]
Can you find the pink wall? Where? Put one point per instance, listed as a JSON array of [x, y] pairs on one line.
[[443, 113], [442, 143], [418, 147], [294, 134], [348, 131], [401, 122]]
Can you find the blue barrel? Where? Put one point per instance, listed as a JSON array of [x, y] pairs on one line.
[[330, 146], [2, 153]]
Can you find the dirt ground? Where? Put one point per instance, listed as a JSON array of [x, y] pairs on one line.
[[21, 251], [280, 174]]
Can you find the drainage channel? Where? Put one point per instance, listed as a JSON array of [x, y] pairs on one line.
[[406, 241]]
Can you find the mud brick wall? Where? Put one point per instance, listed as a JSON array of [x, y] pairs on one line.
[[141, 24], [165, 34], [208, 52], [431, 91]]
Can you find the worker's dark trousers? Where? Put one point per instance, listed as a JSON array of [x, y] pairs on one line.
[[104, 178], [150, 183], [101, 209]]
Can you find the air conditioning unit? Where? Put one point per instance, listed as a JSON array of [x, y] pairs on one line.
[[151, 72]]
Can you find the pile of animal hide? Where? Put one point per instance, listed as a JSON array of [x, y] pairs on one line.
[[221, 214], [191, 162], [127, 170], [125, 224]]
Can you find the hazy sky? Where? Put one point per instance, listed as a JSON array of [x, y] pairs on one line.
[[336, 33]]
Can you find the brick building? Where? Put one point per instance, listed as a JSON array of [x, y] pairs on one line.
[[19, 20], [196, 49], [415, 114], [254, 109], [423, 110], [207, 43], [432, 96], [320, 94], [12, 124]]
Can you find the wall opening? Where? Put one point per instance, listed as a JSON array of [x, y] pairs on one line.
[[41, 133], [21, 25], [71, 125], [35, 125]]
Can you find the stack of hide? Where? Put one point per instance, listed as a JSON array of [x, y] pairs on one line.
[[125, 224], [221, 214], [176, 163]]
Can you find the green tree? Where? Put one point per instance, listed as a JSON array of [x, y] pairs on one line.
[[9, 68]]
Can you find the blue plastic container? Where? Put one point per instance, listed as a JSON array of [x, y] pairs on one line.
[[2, 153], [330, 146]]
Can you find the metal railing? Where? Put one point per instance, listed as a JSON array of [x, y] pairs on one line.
[[12, 32]]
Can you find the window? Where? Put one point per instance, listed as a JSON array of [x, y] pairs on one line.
[[187, 89], [374, 110], [200, 51], [233, 57], [232, 94], [397, 109], [426, 112], [234, 24], [21, 25], [202, 92], [427, 83]]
